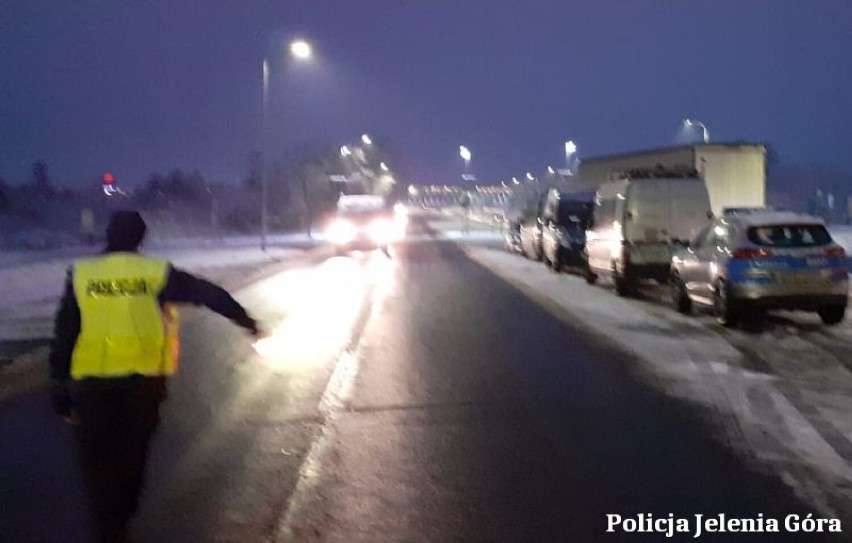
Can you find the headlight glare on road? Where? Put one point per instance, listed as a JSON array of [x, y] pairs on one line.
[[341, 231]]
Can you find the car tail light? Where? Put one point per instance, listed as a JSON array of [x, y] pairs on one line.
[[744, 253], [835, 252]]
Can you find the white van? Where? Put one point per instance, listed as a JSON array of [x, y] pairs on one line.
[[638, 219]]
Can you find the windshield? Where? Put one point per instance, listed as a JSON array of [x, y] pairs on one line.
[[789, 235]]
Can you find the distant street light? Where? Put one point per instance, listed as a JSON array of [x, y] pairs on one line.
[[570, 156], [530, 176], [515, 181], [383, 166], [366, 139], [550, 170], [465, 153], [570, 148], [344, 151], [689, 123], [300, 50]]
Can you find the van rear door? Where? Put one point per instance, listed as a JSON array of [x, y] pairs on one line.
[[647, 211], [689, 208]]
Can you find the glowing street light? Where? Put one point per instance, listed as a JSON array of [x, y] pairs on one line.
[[465, 153], [550, 170], [570, 156], [530, 176], [344, 151], [690, 123], [383, 166], [301, 49], [366, 139], [515, 181], [570, 148]]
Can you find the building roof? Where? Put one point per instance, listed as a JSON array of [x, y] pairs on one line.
[[672, 149]]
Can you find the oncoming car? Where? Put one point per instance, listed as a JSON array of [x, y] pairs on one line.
[[364, 222], [750, 261]]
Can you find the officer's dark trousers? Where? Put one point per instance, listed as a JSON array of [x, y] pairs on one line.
[[118, 418]]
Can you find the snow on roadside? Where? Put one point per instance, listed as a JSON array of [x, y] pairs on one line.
[[29, 291], [842, 234], [783, 397]]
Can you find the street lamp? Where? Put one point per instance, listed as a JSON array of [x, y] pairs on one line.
[[366, 139], [570, 152], [344, 151], [465, 153], [302, 51], [384, 166], [690, 123]]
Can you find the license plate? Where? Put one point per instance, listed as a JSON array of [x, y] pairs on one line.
[[798, 278]]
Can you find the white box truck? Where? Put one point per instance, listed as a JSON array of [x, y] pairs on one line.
[[735, 174]]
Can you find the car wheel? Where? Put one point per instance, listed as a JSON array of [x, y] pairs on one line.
[[556, 263], [680, 297], [726, 314], [622, 286], [832, 314]]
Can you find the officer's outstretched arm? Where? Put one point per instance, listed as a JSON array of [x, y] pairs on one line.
[[183, 287]]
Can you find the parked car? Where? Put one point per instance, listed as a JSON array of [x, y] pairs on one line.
[[530, 234], [563, 237], [750, 261], [636, 222]]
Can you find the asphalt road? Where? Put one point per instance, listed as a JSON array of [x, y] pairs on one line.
[[416, 398]]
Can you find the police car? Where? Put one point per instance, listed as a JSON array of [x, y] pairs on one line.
[[752, 260]]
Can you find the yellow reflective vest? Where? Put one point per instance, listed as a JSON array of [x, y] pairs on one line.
[[123, 328]]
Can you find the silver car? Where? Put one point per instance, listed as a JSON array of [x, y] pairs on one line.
[[750, 261]]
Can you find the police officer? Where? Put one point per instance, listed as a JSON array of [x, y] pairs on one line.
[[116, 342]]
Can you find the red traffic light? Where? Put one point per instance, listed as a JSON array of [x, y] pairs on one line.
[[109, 179]]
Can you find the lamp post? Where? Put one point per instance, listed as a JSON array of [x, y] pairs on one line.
[[691, 123], [570, 152], [299, 50], [466, 155]]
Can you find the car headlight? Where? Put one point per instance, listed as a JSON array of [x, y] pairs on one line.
[[341, 231], [381, 231]]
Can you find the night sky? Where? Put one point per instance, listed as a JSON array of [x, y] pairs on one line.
[[141, 86]]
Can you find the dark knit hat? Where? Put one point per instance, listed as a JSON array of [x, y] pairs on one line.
[[125, 231]]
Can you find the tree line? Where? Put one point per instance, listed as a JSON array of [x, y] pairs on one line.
[[303, 183]]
